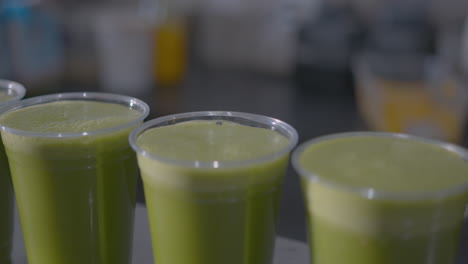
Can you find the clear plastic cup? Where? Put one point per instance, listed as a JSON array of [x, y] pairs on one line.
[[351, 224], [9, 92], [411, 93], [75, 190], [217, 210]]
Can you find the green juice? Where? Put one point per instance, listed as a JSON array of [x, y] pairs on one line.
[[6, 209], [6, 198], [76, 195], [212, 215], [419, 223]]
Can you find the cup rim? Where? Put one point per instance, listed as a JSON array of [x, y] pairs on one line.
[[373, 193], [131, 102], [273, 123], [10, 87]]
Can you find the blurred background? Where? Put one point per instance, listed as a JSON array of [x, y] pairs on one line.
[[324, 66]]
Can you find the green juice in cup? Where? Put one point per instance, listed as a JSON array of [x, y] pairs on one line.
[[376, 198], [74, 175], [6, 209], [9, 93], [212, 184]]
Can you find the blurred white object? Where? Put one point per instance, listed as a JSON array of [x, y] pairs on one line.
[[255, 35], [251, 43], [124, 42], [254, 7]]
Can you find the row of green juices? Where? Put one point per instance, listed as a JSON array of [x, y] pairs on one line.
[[212, 182]]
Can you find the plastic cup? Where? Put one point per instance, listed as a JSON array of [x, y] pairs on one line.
[[214, 211], [75, 191], [354, 225], [411, 93], [9, 93]]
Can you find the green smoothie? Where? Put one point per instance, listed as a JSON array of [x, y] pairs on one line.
[[383, 200], [6, 209], [6, 192], [218, 214], [75, 192]]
